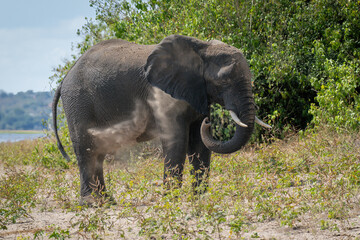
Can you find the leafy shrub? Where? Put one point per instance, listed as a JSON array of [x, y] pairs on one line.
[[277, 37], [223, 127], [338, 97]]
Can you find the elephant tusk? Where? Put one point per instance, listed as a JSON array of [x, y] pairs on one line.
[[237, 120], [261, 123]]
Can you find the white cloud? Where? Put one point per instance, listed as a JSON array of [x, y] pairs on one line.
[[27, 55]]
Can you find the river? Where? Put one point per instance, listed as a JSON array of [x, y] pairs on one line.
[[19, 136]]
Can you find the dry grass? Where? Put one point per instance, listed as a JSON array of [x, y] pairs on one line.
[[304, 187]]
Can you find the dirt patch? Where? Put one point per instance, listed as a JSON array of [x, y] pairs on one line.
[[46, 223], [300, 189]]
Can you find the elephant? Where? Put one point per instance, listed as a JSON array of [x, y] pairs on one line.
[[120, 93]]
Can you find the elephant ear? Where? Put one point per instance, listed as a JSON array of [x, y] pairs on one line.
[[176, 68]]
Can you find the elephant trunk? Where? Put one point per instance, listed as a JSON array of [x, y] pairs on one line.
[[242, 133]]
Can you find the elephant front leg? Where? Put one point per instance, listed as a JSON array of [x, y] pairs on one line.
[[199, 157], [174, 150]]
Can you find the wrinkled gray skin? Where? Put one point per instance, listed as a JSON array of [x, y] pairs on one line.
[[120, 93]]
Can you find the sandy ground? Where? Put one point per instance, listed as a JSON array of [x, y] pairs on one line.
[[123, 228], [44, 222]]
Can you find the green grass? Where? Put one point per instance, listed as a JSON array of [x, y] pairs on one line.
[[310, 182]]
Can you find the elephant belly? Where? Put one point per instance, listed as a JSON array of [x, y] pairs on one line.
[[138, 127]]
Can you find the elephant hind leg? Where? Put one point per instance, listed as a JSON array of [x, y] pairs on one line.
[[93, 189], [92, 181], [91, 177]]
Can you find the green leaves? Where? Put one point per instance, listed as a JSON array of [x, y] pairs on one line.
[[293, 48], [338, 97]]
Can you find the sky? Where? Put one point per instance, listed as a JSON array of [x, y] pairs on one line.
[[35, 37]]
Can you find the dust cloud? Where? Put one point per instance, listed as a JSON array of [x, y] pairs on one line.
[[165, 110], [123, 133]]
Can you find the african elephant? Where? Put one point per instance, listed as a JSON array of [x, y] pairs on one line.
[[119, 93]]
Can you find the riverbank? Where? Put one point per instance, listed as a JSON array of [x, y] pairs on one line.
[[22, 131], [19, 135]]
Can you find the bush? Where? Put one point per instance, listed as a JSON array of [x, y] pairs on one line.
[[280, 39], [338, 96]]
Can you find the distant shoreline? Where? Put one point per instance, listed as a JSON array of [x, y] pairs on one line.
[[22, 131]]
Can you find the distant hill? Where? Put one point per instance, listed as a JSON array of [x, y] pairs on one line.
[[24, 110]]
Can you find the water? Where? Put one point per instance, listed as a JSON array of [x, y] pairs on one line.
[[15, 137]]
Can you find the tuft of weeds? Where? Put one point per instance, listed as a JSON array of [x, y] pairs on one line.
[[58, 233], [39, 152], [92, 223], [17, 195]]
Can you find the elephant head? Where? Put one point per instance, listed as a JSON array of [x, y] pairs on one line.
[[202, 73]]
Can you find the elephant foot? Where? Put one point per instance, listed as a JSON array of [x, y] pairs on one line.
[[200, 188], [95, 200], [199, 191]]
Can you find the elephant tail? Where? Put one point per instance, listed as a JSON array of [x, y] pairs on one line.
[[54, 114]]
